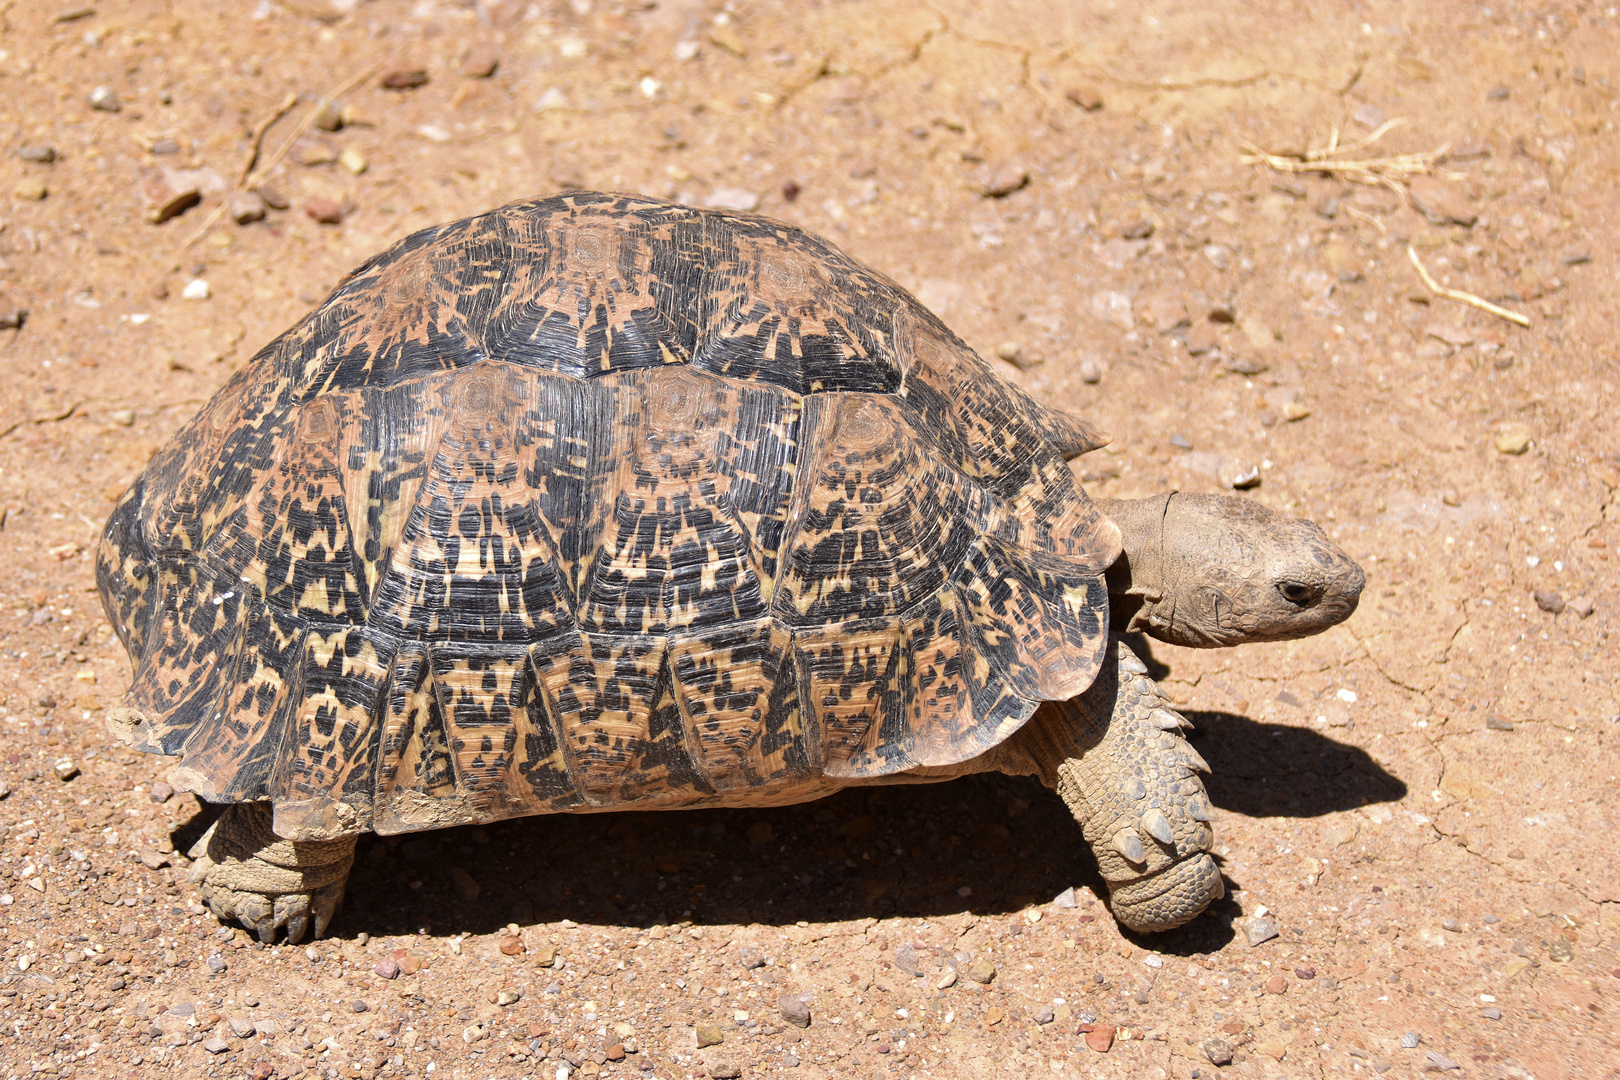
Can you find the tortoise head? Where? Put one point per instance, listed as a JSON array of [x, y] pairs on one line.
[[1215, 570]]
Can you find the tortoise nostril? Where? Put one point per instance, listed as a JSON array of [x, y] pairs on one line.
[[1298, 593]]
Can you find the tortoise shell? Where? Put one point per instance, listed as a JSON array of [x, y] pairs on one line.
[[600, 501]]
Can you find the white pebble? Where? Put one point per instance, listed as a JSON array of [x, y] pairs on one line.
[[1347, 696]]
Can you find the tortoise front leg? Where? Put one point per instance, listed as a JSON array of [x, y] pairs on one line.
[[244, 871], [1117, 757]]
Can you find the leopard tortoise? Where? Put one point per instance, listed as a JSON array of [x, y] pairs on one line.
[[602, 502]]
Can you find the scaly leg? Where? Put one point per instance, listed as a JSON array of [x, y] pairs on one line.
[[1117, 757], [244, 871]]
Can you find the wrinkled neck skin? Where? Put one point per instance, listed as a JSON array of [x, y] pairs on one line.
[[1208, 571]]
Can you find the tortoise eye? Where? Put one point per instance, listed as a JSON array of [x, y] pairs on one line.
[[1298, 593]]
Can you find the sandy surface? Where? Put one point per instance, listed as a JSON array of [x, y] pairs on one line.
[[1423, 799]]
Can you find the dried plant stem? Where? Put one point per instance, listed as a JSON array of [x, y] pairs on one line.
[[1462, 297], [258, 137], [1336, 161]]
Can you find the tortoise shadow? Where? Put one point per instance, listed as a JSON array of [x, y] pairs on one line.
[[986, 845], [1262, 769]]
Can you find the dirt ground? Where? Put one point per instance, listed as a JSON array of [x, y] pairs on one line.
[[1422, 800]]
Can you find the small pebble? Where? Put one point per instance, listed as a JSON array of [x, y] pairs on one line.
[[1368, 115], [1044, 1016], [404, 79], [126, 418], [216, 964], [709, 1035], [728, 1070], [327, 212], [1491, 1013], [387, 968], [733, 198], [245, 207], [1218, 1051], [1259, 930], [1549, 601], [1086, 97], [1498, 93], [1100, 1038], [1410, 1040], [1276, 985], [1496, 723], [314, 152], [65, 769], [999, 182], [1010, 351], [196, 289], [29, 189], [511, 946], [353, 161], [1090, 372], [480, 64], [1294, 411], [795, 1009], [750, 958], [161, 791], [358, 1006], [1512, 439], [240, 1026], [37, 153], [102, 99], [216, 1045], [1451, 924], [1065, 899], [1180, 441], [905, 959], [1438, 1062], [1306, 973], [982, 971], [328, 116], [1240, 475], [508, 997]]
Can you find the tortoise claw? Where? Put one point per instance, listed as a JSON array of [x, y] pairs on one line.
[[247, 874]]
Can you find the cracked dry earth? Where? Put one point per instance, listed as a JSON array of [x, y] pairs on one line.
[[1422, 800]]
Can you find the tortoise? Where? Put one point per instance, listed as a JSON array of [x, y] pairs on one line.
[[601, 502]]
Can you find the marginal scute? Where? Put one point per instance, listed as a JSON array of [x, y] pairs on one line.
[[600, 501]]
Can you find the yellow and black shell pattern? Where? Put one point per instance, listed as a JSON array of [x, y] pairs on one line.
[[600, 501]]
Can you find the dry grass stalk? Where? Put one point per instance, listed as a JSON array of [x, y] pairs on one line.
[[1462, 297], [1341, 161]]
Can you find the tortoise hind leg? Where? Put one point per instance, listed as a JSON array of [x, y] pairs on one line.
[[244, 871], [1117, 757]]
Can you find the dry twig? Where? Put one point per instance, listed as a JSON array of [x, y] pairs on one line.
[[1339, 161], [1462, 297], [258, 137]]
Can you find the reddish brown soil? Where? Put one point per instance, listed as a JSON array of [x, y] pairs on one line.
[[1424, 798]]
